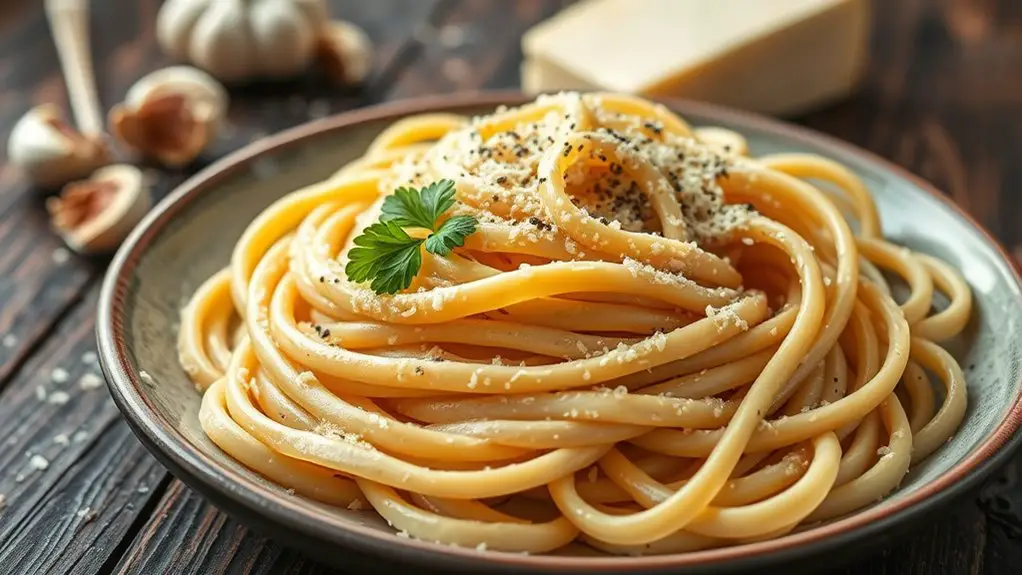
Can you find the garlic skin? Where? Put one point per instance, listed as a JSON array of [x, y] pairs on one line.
[[49, 151], [346, 52], [94, 216], [238, 40], [171, 114]]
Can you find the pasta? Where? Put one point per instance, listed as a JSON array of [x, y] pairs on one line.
[[652, 342]]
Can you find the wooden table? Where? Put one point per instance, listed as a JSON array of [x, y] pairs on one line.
[[943, 99]]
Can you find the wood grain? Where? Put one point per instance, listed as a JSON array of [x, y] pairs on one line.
[[191, 536], [474, 45], [943, 98], [74, 479]]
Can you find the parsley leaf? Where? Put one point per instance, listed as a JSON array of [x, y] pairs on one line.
[[450, 235], [418, 208], [387, 257], [385, 254]]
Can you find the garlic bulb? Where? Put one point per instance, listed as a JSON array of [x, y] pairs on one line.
[[94, 216], [49, 151], [239, 40], [171, 114]]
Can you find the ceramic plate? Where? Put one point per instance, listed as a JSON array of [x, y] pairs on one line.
[[190, 235]]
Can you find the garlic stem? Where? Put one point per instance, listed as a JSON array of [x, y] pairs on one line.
[[69, 22]]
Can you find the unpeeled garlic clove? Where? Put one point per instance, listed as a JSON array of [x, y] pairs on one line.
[[49, 151], [170, 115], [345, 52], [94, 216]]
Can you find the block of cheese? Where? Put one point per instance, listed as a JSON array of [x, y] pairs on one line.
[[770, 56]]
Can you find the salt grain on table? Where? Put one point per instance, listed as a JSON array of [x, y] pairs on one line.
[[59, 375], [90, 381], [319, 109], [60, 256], [58, 398], [452, 36], [10, 340], [38, 462]]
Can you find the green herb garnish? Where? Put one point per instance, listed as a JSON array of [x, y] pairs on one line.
[[385, 254]]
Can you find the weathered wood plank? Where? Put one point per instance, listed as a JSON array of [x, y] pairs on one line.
[[477, 44], [194, 537], [952, 543], [38, 281], [74, 478]]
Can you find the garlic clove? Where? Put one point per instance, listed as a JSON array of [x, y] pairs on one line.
[[315, 11], [170, 115], [49, 151], [345, 52], [275, 24], [195, 83], [94, 216], [220, 41], [176, 18]]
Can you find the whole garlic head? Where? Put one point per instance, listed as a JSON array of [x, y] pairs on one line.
[[49, 151], [171, 114], [94, 216], [238, 40]]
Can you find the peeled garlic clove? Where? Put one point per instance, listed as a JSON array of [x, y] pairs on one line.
[[171, 115], [345, 52], [94, 216], [49, 151]]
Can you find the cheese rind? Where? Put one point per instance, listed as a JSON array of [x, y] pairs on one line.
[[777, 57]]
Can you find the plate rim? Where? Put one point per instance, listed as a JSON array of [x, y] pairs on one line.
[[203, 472]]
